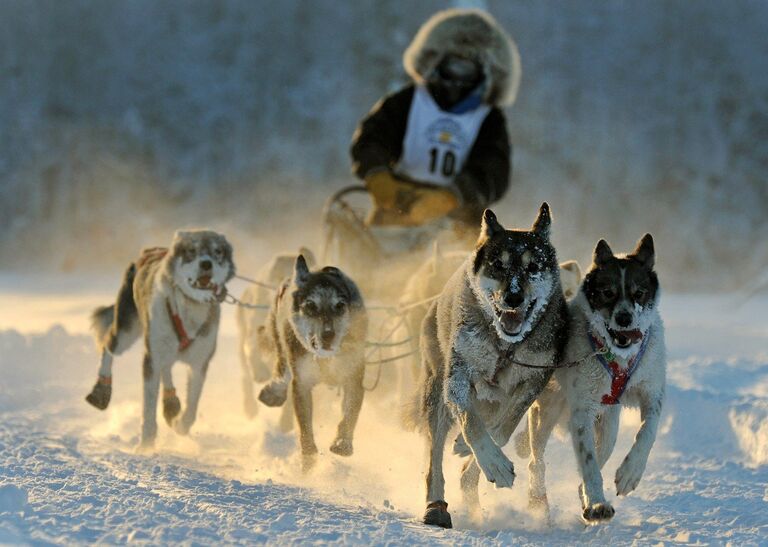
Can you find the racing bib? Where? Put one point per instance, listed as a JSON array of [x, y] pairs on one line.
[[436, 142]]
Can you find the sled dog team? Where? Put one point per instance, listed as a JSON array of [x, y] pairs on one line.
[[499, 341]]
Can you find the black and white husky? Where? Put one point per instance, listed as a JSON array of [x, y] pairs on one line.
[[316, 332], [505, 305], [170, 296], [615, 312]]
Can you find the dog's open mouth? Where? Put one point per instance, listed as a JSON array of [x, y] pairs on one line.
[[204, 283], [322, 349], [625, 338], [512, 320]]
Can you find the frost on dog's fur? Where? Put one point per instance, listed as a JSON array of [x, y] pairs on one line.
[[618, 306], [505, 302]]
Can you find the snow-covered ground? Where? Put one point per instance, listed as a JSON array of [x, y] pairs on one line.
[[68, 473]]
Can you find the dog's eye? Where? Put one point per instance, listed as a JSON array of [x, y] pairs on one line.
[[498, 264], [340, 307], [639, 294], [189, 254], [218, 254], [310, 308], [533, 267], [607, 293]]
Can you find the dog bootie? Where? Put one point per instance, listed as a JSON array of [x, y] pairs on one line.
[[274, 393], [171, 405], [101, 393], [437, 514]]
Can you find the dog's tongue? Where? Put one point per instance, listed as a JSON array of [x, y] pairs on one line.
[[512, 320], [204, 280]]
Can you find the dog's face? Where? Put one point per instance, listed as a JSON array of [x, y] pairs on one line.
[[201, 263], [622, 294], [515, 274], [322, 307]]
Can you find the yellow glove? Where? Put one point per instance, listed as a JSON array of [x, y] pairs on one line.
[[406, 203], [383, 186], [432, 203]]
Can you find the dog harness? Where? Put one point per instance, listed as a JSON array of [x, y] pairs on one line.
[[619, 376]]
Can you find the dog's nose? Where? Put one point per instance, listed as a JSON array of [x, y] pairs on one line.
[[623, 319], [206, 264], [327, 337], [513, 299]]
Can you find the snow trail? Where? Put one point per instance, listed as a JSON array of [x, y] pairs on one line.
[[68, 473]]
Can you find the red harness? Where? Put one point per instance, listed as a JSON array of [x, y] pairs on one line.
[[619, 376], [178, 326]]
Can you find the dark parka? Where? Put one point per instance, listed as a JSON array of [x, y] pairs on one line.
[[484, 178]]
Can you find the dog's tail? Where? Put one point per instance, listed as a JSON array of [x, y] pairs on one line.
[[115, 325], [101, 323]]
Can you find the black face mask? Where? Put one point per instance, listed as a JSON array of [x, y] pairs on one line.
[[453, 79]]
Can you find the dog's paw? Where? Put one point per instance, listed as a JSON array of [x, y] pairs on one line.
[[182, 426], [145, 446], [437, 515], [171, 409], [342, 447], [100, 395], [598, 512], [495, 465], [274, 393], [628, 475], [308, 461]]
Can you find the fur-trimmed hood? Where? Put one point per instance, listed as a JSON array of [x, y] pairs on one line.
[[469, 33]]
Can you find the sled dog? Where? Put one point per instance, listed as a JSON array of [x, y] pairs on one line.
[[250, 323], [171, 297], [504, 304], [316, 329], [615, 312]]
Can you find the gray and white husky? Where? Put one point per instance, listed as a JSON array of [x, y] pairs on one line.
[[504, 305], [250, 324], [316, 332], [616, 311], [170, 296]]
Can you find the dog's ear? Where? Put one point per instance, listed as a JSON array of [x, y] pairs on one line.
[[308, 255], [543, 222], [489, 227], [603, 253], [179, 235], [229, 253], [644, 252], [300, 271], [573, 267]]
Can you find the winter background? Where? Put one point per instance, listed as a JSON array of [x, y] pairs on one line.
[[121, 121]]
